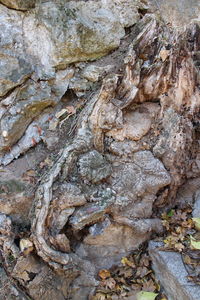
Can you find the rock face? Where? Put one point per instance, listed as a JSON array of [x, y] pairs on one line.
[[175, 281], [19, 4], [99, 128]]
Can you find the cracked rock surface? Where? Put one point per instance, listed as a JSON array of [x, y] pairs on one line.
[[99, 129]]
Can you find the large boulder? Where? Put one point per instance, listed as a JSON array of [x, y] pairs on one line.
[[171, 272]]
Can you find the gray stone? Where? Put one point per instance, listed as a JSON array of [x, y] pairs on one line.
[[188, 192], [24, 105], [93, 167], [8, 290], [13, 72], [107, 242], [196, 208], [89, 214], [125, 148], [16, 195], [137, 181], [71, 31], [135, 126], [69, 195], [80, 86], [19, 4], [171, 272], [94, 73], [178, 13]]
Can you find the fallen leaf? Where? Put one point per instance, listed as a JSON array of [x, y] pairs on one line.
[[103, 274], [142, 271], [179, 247], [194, 244], [149, 286], [109, 283], [196, 223], [26, 246], [164, 54], [146, 295], [170, 213], [126, 261], [99, 296]]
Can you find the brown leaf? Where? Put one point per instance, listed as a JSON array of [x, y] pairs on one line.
[[149, 286], [164, 54], [109, 283], [142, 271], [103, 274]]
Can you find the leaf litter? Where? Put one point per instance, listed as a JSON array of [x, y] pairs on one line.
[[134, 278]]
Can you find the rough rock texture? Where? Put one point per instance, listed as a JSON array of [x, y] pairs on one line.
[[175, 280], [88, 150], [19, 4]]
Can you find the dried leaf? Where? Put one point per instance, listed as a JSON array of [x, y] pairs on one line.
[[142, 271], [126, 261], [194, 244], [103, 274], [164, 54], [99, 296], [196, 223], [149, 286], [109, 283], [146, 295], [26, 246], [179, 247]]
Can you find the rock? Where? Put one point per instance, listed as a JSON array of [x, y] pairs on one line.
[[40, 281], [19, 4], [89, 214], [13, 72], [196, 208], [94, 31], [66, 198], [93, 167], [61, 243], [59, 218], [136, 182], [173, 146], [16, 195], [188, 192], [105, 251], [29, 102], [136, 124], [175, 280], [69, 195], [32, 99], [126, 148], [94, 73], [178, 13], [33, 135], [8, 290], [80, 86]]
